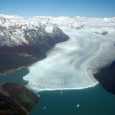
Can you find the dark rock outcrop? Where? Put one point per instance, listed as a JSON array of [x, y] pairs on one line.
[[106, 77], [16, 99], [38, 43]]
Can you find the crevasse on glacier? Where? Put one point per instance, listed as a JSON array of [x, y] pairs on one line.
[[72, 64]]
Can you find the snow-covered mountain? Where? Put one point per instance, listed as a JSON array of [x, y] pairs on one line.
[[84, 46], [16, 30], [8, 20], [24, 40]]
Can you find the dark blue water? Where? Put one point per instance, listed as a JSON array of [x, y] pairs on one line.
[[92, 101]]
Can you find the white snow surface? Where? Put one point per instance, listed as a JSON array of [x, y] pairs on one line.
[[70, 64], [73, 22]]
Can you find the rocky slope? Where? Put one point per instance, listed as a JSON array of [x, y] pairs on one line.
[[22, 44], [16, 99], [106, 77]]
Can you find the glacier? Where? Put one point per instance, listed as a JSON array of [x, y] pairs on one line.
[[73, 63]]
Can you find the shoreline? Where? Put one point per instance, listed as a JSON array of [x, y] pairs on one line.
[[61, 89]]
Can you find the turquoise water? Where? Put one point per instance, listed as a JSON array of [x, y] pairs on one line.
[[14, 76], [90, 101]]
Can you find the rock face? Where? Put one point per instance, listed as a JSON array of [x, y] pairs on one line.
[[16, 100], [21, 47], [106, 77]]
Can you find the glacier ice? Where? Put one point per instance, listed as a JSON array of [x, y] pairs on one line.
[[72, 64]]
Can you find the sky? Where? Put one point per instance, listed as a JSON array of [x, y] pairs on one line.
[[86, 8]]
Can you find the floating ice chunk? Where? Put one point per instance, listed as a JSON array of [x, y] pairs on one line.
[[44, 107], [78, 105]]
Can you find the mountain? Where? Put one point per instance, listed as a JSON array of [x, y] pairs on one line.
[[85, 46], [24, 41]]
